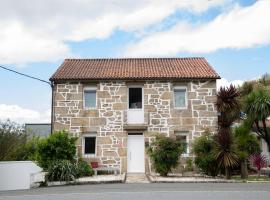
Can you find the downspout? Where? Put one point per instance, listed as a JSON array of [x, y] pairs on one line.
[[52, 107]]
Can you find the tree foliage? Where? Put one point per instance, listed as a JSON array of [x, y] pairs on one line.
[[165, 153], [205, 160], [58, 146]]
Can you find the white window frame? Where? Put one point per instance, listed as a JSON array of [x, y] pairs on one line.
[[83, 145], [184, 133], [89, 88], [186, 96], [135, 86]]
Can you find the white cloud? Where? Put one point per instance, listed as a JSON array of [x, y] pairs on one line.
[[39, 30], [225, 83], [22, 115], [241, 27]]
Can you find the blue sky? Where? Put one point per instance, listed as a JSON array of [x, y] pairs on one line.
[[234, 36]]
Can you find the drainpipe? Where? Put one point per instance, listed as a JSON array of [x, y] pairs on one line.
[[52, 107]]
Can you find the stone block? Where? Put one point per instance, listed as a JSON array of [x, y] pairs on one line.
[[121, 91], [74, 96], [150, 108], [104, 140], [211, 99], [192, 95], [150, 91], [103, 94], [89, 113], [119, 106], [209, 84], [199, 107], [166, 96], [111, 161], [207, 113], [189, 121], [109, 154], [59, 97], [97, 121], [80, 121], [58, 126], [122, 152], [61, 110], [174, 121], [155, 121]]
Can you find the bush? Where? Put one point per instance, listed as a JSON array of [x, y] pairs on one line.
[[62, 170], [84, 169], [29, 151], [203, 149], [165, 153], [12, 139], [58, 146]]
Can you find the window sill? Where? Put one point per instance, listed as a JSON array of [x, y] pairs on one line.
[[89, 155], [181, 108]]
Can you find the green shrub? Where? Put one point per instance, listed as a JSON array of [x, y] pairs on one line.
[[12, 139], [84, 169], [189, 164], [62, 170], [165, 153], [203, 149], [29, 151], [58, 146]]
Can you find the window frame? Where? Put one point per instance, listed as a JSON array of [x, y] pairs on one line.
[[186, 96], [184, 133], [135, 86], [92, 135], [89, 88]]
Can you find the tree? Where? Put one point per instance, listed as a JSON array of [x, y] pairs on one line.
[[246, 144], [257, 108], [165, 153], [203, 147], [12, 138], [229, 108]]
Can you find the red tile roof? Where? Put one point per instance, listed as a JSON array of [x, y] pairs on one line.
[[135, 68]]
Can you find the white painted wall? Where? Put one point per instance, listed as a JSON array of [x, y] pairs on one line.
[[17, 175]]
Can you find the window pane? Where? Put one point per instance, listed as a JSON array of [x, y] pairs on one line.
[[90, 145], [180, 97], [90, 98], [183, 141], [135, 98]]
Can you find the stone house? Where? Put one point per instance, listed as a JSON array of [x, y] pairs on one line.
[[117, 106]]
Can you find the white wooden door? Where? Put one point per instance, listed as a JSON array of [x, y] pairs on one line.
[[135, 157]]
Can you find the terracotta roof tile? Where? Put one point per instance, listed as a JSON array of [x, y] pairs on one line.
[[134, 68]]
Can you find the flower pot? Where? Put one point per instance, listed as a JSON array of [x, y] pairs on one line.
[[94, 165]]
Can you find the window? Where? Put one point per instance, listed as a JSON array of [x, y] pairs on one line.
[[90, 97], [180, 97], [183, 138], [135, 98], [89, 145]]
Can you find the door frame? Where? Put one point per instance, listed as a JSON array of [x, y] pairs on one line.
[[138, 133]]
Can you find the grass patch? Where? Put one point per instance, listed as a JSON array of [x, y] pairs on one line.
[[252, 178]]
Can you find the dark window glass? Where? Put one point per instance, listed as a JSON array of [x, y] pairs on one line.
[[135, 98], [89, 145], [180, 97]]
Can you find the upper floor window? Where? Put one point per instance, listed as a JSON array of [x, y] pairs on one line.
[[90, 97], [135, 97], [180, 97], [89, 144], [182, 136]]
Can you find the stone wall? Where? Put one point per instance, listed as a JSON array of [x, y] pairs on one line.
[[107, 120]]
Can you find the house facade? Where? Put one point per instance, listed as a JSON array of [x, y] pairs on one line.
[[117, 106]]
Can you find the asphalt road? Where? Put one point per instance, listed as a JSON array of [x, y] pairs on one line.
[[167, 191]]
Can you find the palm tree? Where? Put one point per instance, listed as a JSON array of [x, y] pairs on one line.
[[257, 107], [229, 109], [246, 144]]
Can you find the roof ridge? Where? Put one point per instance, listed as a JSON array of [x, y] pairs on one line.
[[137, 58]]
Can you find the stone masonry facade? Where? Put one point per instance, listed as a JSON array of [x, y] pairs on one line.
[[107, 120]]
